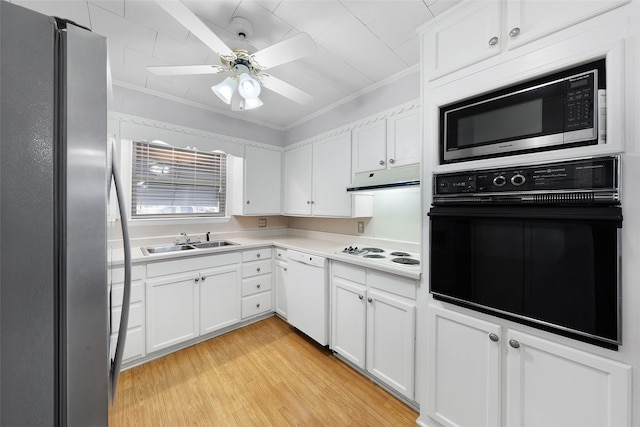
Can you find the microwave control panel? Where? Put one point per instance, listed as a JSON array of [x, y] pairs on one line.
[[597, 174]]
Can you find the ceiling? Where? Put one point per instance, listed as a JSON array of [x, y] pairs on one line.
[[360, 44]]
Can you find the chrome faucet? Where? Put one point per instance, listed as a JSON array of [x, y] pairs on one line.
[[187, 239]]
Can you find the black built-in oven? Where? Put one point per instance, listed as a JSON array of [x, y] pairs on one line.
[[538, 244]]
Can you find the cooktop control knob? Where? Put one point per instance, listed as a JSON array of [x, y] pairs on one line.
[[518, 179], [499, 181]]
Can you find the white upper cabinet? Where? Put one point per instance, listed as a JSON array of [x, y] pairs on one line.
[[257, 182], [387, 142], [477, 30], [316, 177]]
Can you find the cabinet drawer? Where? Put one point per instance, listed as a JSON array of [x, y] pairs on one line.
[[392, 283], [349, 272], [134, 345], [117, 292], [136, 313], [256, 304], [256, 254], [117, 274], [256, 268], [280, 254], [196, 263], [256, 284]]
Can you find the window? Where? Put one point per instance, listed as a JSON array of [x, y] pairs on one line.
[[175, 182]]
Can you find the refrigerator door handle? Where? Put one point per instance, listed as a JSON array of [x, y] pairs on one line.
[[126, 297]]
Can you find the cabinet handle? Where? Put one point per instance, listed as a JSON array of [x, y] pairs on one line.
[[392, 161], [514, 32], [360, 296], [203, 278], [285, 269], [308, 202], [258, 269], [381, 162], [258, 305], [258, 286], [197, 279], [493, 41], [493, 337], [258, 255], [514, 343], [370, 299], [248, 201]]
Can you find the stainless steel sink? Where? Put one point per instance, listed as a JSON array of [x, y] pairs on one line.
[[214, 244], [185, 247], [164, 249]]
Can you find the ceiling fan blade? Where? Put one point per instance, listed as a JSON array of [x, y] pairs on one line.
[[285, 89], [185, 70], [285, 51], [191, 22]]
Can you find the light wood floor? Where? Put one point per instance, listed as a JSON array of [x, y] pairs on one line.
[[265, 374]]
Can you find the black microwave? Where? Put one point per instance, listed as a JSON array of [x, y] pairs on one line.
[[561, 110]]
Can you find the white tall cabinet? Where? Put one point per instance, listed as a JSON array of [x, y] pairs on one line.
[[256, 181], [486, 371]]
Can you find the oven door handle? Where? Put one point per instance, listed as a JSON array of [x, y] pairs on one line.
[[560, 213]]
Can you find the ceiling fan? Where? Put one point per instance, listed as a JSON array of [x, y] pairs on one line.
[[246, 68]]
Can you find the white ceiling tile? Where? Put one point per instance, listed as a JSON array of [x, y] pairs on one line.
[[150, 15], [409, 51], [312, 16], [121, 30], [75, 11], [218, 12], [173, 52], [113, 6], [399, 23], [440, 6]]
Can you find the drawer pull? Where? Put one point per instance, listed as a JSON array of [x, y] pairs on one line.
[[360, 296], [258, 255], [258, 269], [258, 286], [258, 305]]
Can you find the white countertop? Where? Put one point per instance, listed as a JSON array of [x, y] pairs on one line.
[[328, 248]]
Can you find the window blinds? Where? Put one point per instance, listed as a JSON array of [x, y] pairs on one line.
[[168, 181]]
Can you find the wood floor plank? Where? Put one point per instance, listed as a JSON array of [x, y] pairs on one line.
[[265, 374]]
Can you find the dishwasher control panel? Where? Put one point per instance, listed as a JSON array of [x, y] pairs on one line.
[[314, 260]]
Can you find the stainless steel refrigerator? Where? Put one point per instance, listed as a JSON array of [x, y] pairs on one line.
[[55, 367]]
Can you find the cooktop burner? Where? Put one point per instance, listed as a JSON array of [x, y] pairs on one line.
[[374, 256], [406, 261], [373, 250], [398, 253]]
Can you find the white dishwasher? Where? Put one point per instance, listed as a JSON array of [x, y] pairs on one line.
[[308, 295]]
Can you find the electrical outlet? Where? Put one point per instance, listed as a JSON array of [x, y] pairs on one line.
[[262, 222], [360, 226]]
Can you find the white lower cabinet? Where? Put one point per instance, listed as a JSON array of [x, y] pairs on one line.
[[134, 344], [373, 323], [280, 279], [547, 383], [190, 297]]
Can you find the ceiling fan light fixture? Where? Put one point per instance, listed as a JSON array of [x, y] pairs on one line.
[[248, 87], [250, 104], [225, 90]]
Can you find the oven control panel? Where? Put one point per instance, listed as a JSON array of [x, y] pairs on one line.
[[584, 175]]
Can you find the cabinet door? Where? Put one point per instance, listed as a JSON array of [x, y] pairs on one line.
[[297, 181], [467, 35], [262, 181], [529, 20], [331, 176], [348, 311], [463, 367], [281, 288], [370, 147], [391, 340], [549, 384], [172, 310], [404, 139], [219, 298]]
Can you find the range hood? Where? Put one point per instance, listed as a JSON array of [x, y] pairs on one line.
[[388, 178]]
